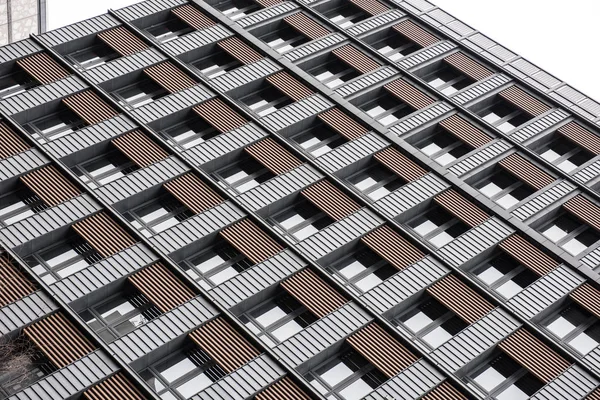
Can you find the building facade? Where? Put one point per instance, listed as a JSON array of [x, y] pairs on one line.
[[20, 18], [333, 199]]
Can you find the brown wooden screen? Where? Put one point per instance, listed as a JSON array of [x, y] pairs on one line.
[[382, 350], [273, 156], [415, 33], [59, 340], [409, 94], [468, 66], [465, 132], [524, 101], [341, 123], [284, 389], [122, 41], [139, 148], [535, 356], [356, 59], [103, 234], [224, 344], [10, 143], [90, 107], [117, 387], [240, 50], [389, 245], [399, 164], [526, 171], [459, 298], [251, 241], [307, 26], [50, 185], [581, 136], [289, 86], [313, 293], [13, 284], [170, 77], [595, 395], [461, 208], [193, 193], [372, 7], [528, 255], [331, 200], [268, 3], [43, 68], [585, 210], [444, 391], [588, 297], [193, 17], [219, 115]]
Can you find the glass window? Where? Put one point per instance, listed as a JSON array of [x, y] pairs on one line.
[[140, 93], [386, 110], [243, 175], [346, 16], [438, 227], [104, 169], [565, 154], [362, 270], [92, 56], [216, 64], [504, 189], [575, 327], [169, 30], [236, 9], [448, 80], [504, 116], [395, 46], [505, 276], [55, 126], [443, 147], [300, 221], [333, 73], [158, 215], [285, 39], [190, 133], [19, 205], [376, 182], [16, 82], [318, 140], [266, 101], [570, 234]]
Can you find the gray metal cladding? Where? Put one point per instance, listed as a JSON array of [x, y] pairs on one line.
[[480, 157], [172, 103], [21, 163], [23, 312], [404, 284], [588, 173], [322, 334], [481, 88], [84, 28], [375, 22], [546, 121], [296, 112], [146, 8], [592, 360], [420, 117], [18, 50], [426, 54], [365, 81], [550, 195], [196, 39], [577, 101], [573, 384], [314, 46], [338, 234], [351, 152], [105, 271], [245, 74], [161, 330], [544, 292], [257, 278], [123, 65], [266, 14], [592, 259]]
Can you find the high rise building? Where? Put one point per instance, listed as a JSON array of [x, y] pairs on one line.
[[20, 18], [336, 199]]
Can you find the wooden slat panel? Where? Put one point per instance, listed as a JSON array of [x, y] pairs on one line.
[[273, 156], [342, 124], [50, 185], [13, 284], [519, 98], [528, 255], [465, 132], [399, 164], [468, 66], [382, 350], [331, 200], [444, 391], [585, 210], [581, 136], [161, 287], [409, 94], [461, 208], [117, 387], [122, 41], [461, 299], [90, 107], [526, 171], [169, 77], [595, 395], [224, 344], [415, 33], [193, 17], [219, 115], [533, 355], [103, 234], [372, 7], [389, 245], [313, 293], [59, 340], [251, 241], [140, 149], [588, 297], [240, 50], [192, 192], [307, 26], [268, 3], [356, 59], [289, 86], [43, 68], [284, 389], [10, 143]]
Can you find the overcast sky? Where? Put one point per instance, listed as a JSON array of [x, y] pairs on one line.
[[560, 37]]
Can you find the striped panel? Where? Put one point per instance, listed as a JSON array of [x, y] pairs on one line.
[[273, 156], [307, 26], [90, 107], [461, 208], [10, 143], [581, 136], [268, 3], [465, 132], [409, 94], [219, 115], [468, 66], [192, 192], [169, 77], [526, 171], [356, 59], [341, 123], [588, 297], [331, 200], [585, 210], [139, 148], [122, 41], [13, 284], [283, 389], [103, 234], [444, 391], [43, 68], [393, 248], [415, 33], [193, 17], [251, 241], [113, 388], [519, 98], [372, 7], [240, 50], [528, 255], [399, 164], [50, 185], [289, 86]]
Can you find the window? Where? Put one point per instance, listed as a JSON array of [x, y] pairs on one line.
[[243, 175], [505, 276], [95, 55], [33, 366], [565, 154], [346, 15], [570, 234], [285, 39], [504, 116], [278, 319], [386, 109], [376, 182], [318, 140], [300, 221], [19, 205], [16, 82], [448, 80], [504, 189], [348, 376], [443, 148], [362, 270], [333, 73], [104, 169], [266, 101], [575, 327], [395, 46], [158, 215], [216, 64], [236, 9], [169, 30], [140, 93], [438, 227], [54, 126], [190, 133]]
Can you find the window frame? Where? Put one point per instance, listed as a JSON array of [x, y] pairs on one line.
[[515, 113], [516, 270], [170, 34], [173, 209], [351, 282], [508, 190], [331, 138], [455, 145], [21, 82], [288, 37], [65, 126], [139, 100], [272, 97], [338, 70], [120, 165], [399, 107], [197, 138], [220, 62], [462, 80], [573, 234], [390, 179], [453, 221], [396, 53], [246, 8], [93, 61], [31, 202], [575, 151], [350, 15], [296, 209], [590, 322]]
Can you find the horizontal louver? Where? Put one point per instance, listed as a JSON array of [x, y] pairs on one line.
[[240, 50], [585, 210], [382, 350], [372, 7], [581, 136], [59, 340], [526, 172], [251, 241], [595, 395], [533, 355], [103, 234], [461, 208], [522, 100], [10, 143], [13, 284], [139, 148], [588, 297], [193, 17], [289, 86], [268, 3], [331, 200], [224, 344], [392, 247], [461, 299], [161, 287], [399, 164], [342, 124], [468, 66], [169, 77], [89, 107], [528, 255], [465, 132], [273, 156], [50, 185], [415, 33], [117, 387], [192, 192], [409, 94], [284, 389], [444, 391], [307, 26], [313, 293], [222, 117], [355, 59], [42, 68], [122, 41]]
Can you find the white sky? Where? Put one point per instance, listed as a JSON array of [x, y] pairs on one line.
[[558, 36]]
